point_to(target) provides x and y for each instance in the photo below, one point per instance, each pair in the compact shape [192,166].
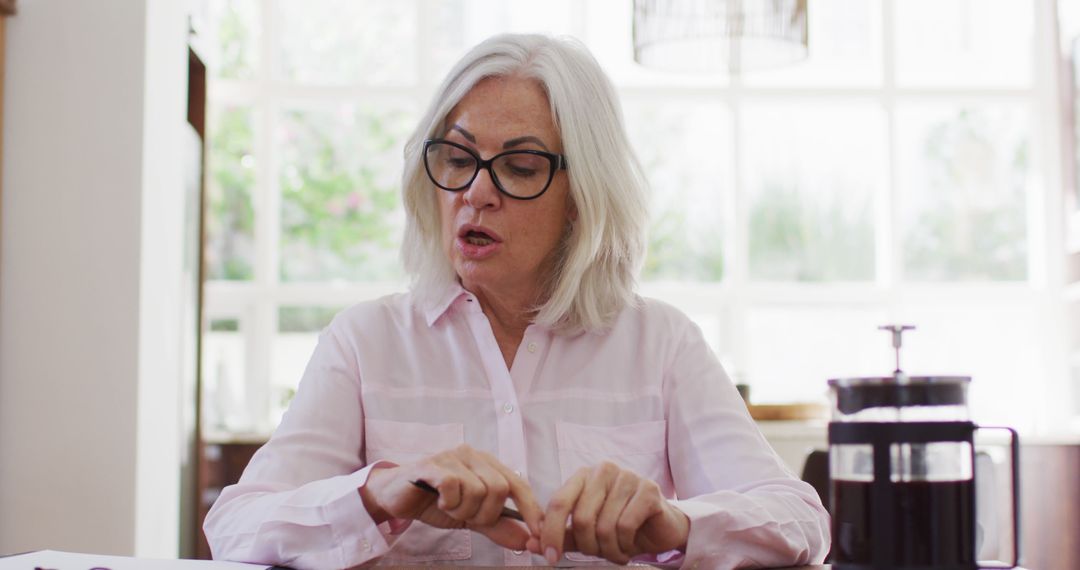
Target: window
[898,175]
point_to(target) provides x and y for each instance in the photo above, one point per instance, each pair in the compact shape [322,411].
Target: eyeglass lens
[519,174]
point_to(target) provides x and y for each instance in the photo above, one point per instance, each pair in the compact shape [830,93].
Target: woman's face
[497,244]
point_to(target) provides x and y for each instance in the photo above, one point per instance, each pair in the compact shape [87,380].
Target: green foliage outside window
[677,255]
[794,239]
[293,319]
[974,226]
[230,221]
[341,207]
[232,52]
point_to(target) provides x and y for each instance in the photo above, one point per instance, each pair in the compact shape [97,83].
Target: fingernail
[551,555]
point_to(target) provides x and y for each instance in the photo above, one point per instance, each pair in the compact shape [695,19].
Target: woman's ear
[571,211]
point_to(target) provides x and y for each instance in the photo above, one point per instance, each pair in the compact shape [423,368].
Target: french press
[902,472]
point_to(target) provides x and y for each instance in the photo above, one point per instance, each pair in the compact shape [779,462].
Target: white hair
[595,270]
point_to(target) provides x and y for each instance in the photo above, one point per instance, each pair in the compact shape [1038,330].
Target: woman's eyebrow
[508,144]
[521,140]
[468,136]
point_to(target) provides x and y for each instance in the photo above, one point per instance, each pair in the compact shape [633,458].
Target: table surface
[811,567]
[6,559]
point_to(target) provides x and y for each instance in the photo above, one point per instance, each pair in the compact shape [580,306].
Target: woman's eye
[459,162]
[522,172]
[524,166]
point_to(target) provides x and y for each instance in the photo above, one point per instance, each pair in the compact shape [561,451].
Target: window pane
[231,38]
[297,335]
[305,319]
[685,149]
[844,46]
[964,42]
[230,215]
[811,176]
[341,216]
[458,25]
[994,343]
[446,21]
[224,388]
[484,18]
[370,42]
[962,174]
[817,344]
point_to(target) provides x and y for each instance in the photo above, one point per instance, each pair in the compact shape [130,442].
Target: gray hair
[598,261]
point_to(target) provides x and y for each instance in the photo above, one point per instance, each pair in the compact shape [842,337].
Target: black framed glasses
[520,174]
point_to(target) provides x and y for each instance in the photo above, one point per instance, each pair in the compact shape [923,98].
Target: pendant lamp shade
[719,35]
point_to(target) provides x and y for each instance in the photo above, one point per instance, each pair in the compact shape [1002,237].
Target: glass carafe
[902,476]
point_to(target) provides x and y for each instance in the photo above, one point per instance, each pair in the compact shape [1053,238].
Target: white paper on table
[55,560]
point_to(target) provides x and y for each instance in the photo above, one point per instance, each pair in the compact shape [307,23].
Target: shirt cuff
[696,511]
[358,537]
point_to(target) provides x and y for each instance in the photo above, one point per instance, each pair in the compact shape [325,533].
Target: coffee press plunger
[902,472]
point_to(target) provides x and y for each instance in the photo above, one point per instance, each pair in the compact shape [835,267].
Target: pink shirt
[393,380]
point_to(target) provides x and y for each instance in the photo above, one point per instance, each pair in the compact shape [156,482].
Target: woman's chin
[474,273]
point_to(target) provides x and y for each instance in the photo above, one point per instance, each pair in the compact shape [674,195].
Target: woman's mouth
[475,242]
[478,238]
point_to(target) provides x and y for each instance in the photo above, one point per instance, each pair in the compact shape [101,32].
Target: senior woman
[520,366]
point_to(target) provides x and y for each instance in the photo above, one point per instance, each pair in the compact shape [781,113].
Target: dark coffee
[933,523]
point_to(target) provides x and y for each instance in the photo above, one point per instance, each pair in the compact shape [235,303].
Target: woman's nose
[482,193]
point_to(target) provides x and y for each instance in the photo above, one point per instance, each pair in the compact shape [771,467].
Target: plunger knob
[897,341]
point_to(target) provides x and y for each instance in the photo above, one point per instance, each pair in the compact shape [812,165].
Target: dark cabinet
[220,465]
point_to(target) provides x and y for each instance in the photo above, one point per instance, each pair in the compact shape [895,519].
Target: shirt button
[519,552]
[508,408]
[532,347]
[366,545]
[518,473]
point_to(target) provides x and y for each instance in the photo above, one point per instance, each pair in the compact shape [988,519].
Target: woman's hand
[473,487]
[616,514]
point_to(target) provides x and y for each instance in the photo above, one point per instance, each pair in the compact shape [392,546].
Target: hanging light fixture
[719,35]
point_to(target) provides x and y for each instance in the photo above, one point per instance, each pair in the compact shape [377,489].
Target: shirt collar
[440,303]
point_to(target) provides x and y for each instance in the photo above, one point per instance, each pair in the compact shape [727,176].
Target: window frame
[256,302]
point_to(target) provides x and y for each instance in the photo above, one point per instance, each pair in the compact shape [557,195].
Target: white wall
[89,277]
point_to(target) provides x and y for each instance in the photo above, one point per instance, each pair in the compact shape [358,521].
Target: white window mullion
[889,250]
[738,248]
[1046,232]
[261,316]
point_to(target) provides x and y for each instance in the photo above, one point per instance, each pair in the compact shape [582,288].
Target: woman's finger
[612,547]
[645,503]
[497,489]
[587,508]
[447,481]
[471,489]
[523,498]
[554,527]
[507,533]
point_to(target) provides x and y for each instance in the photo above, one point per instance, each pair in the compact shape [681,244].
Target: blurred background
[192,189]
[901,173]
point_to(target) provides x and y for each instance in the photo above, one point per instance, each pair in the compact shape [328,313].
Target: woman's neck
[509,314]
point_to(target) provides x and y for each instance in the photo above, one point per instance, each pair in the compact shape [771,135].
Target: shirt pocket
[406,442]
[639,447]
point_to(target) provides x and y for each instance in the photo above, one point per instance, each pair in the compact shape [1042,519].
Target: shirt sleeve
[746,509]
[297,503]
